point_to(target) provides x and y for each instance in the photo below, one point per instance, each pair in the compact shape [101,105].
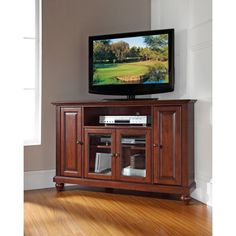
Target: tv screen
[132,63]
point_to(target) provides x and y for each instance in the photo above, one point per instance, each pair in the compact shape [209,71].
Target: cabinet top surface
[124,102]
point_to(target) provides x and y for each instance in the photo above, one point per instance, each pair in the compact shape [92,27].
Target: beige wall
[66,26]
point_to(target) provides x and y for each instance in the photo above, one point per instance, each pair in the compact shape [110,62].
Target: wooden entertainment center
[156,157]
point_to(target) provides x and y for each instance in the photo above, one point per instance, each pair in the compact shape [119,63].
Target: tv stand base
[184,192]
[185,198]
[59,187]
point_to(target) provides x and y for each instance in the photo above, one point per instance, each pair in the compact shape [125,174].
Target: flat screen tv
[132,63]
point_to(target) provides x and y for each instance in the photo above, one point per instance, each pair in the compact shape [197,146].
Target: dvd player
[125,120]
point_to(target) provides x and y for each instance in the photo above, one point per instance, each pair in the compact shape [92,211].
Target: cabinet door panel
[167,145]
[99,153]
[133,155]
[71,142]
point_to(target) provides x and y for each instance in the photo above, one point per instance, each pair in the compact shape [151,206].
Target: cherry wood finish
[59,186]
[185,198]
[169,144]
[116,136]
[87,156]
[71,140]
[180,190]
[133,131]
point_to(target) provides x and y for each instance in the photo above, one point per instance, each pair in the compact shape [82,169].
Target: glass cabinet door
[134,155]
[99,151]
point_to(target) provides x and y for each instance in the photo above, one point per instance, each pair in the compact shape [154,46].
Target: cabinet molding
[167,137]
[71,135]
[168,146]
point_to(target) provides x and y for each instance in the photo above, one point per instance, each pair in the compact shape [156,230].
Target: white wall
[192,20]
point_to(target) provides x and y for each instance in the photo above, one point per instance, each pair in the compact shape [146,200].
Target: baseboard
[39,179]
[203,191]
[44,179]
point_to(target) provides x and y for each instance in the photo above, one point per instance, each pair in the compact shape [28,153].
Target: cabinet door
[71,142]
[167,145]
[133,155]
[99,153]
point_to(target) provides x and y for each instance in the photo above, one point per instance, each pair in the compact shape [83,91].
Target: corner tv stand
[158,157]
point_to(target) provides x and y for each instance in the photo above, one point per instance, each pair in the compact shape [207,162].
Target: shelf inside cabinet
[116,127]
[103,146]
[92,114]
[133,147]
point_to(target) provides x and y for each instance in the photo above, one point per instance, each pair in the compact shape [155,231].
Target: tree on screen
[120,49]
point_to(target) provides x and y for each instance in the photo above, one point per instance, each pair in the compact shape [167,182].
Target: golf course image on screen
[131,60]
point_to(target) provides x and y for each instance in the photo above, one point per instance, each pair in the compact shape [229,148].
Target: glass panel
[100,157]
[133,159]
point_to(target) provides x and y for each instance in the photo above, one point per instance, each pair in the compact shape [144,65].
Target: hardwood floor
[78,211]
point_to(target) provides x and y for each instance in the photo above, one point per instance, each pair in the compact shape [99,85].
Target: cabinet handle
[157,145]
[116,155]
[79,142]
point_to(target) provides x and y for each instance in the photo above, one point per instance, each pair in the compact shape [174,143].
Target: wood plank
[83,212]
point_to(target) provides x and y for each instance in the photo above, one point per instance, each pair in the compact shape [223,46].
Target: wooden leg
[185,198]
[59,187]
